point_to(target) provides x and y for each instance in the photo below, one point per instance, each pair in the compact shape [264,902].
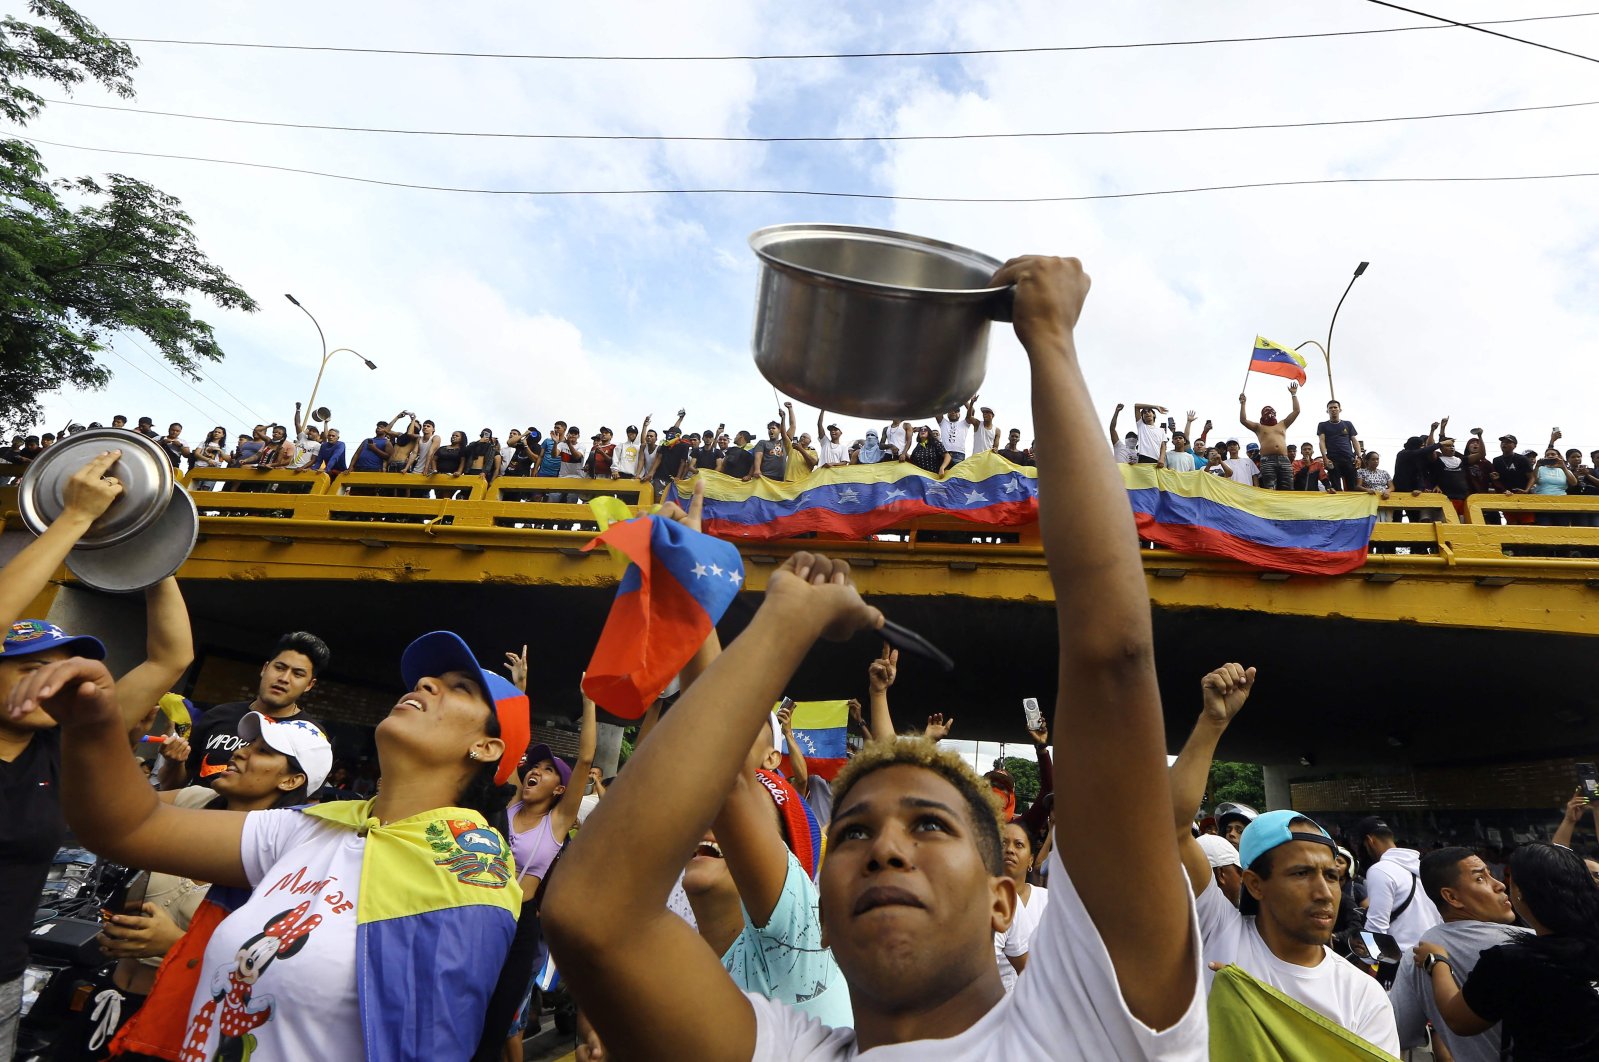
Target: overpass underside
[1456,642]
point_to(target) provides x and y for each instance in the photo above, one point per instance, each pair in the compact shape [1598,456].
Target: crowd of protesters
[1336,460]
[716,900]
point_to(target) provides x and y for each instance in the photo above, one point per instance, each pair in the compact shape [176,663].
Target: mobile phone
[1035,718]
[787,705]
[128,896]
[1588,781]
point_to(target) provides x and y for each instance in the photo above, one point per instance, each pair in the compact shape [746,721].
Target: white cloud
[506,310]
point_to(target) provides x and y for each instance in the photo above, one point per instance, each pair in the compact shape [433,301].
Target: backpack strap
[1414,881]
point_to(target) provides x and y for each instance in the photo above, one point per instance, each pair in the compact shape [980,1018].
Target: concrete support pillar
[608,748]
[1277,793]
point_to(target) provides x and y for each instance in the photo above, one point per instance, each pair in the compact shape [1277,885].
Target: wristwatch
[1434,960]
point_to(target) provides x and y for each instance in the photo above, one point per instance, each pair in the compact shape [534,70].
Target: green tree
[1244,783]
[120,255]
[1025,774]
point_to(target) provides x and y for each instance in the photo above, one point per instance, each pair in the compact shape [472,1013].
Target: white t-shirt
[1333,988]
[1150,438]
[894,438]
[1069,1006]
[983,438]
[281,968]
[830,453]
[1013,943]
[1180,461]
[1244,470]
[1126,453]
[625,458]
[571,460]
[954,434]
[305,451]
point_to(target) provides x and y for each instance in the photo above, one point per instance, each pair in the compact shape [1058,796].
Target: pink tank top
[534,849]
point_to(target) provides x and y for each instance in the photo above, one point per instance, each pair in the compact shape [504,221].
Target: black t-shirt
[1340,437]
[1542,988]
[672,457]
[706,456]
[216,736]
[1407,469]
[1514,471]
[31,830]
[737,461]
[1017,457]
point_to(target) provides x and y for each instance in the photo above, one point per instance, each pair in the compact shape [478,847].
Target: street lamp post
[1326,351]
[310,403]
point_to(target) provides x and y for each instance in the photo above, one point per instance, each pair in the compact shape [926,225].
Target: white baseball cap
[298,737]
[1218,851]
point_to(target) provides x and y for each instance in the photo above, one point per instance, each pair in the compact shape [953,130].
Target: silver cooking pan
[873,323]
[145,535]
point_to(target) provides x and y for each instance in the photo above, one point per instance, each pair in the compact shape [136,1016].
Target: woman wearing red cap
[370,929]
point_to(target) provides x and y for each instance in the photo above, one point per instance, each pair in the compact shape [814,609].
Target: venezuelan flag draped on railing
[860,500]
[1192,512]
[1285,531]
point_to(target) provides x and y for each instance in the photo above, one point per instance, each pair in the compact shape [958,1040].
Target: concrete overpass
[1458,642]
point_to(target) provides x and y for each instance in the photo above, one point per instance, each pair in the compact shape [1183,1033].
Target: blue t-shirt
[374,454]
[549,463]
[1340,437]
[1551,479]
[784,960]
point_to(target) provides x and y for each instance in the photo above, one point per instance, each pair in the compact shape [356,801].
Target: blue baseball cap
[441,652]
[36,636]
[1271,830]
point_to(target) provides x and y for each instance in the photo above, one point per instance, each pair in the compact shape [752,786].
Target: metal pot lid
[143,469]
[143,560]
[769,243]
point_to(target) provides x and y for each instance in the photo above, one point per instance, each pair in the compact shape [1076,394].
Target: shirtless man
[1276,464]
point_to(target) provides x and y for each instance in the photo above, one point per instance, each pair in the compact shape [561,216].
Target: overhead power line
[888,138]
[1479,27]
[921,54]
[813,193]
[136,368]
[164,365]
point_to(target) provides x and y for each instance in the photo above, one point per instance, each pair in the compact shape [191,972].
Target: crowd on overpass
[716,900]
[1263,455]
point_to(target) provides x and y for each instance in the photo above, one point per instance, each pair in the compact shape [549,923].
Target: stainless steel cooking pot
[872,323]
[147,532]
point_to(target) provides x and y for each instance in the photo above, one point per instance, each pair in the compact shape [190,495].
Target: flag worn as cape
[820,728]
[1285,531]
[677,587]
[859,500]
[1274,359]
[1251,1020]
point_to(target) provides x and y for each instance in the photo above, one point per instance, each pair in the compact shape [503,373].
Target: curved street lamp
[310,403]
[1326,351]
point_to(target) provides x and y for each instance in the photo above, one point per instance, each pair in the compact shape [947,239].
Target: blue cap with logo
[36,636]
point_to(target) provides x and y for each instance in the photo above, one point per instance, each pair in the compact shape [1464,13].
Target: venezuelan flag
[1284,531]
[820,729]
[671,596]
[859,500]
[1275,359]
[1251,1019]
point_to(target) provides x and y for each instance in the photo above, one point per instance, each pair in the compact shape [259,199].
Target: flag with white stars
[676,587]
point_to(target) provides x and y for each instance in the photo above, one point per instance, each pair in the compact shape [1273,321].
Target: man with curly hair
[913,887]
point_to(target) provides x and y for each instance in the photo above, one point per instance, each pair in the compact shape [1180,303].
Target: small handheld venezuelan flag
[677,587]
[1275,359]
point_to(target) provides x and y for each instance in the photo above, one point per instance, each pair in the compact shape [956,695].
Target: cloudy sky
[507,310]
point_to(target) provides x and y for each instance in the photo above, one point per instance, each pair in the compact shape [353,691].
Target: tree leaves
[123,256]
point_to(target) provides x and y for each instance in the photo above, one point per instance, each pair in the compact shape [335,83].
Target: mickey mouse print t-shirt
[279,973]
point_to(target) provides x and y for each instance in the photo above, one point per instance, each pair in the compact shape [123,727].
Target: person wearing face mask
[373,929]
[1276,464]
[868,451]
[1477,915]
